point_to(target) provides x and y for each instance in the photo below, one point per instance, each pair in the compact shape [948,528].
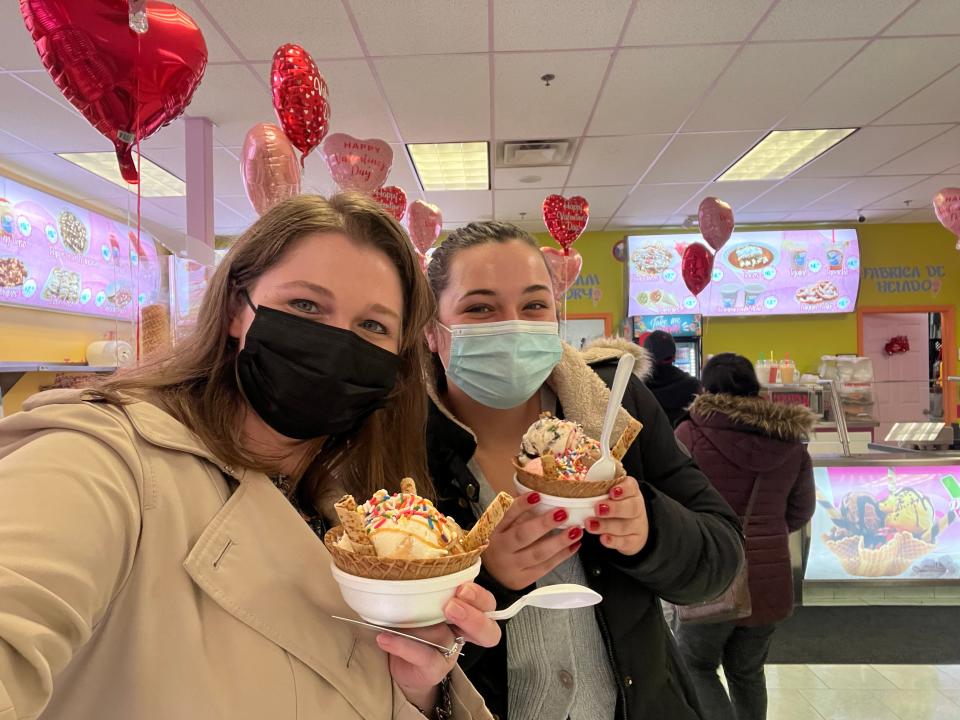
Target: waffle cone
[565,488]
[349,520]
[377,568]
[627,437]
[155,330]
[889,560]
[479,535]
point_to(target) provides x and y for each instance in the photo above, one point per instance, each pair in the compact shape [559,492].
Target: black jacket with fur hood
[693,553]
[739,440]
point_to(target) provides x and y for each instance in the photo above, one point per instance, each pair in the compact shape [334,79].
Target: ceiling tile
[636,221]
[550,24]
[664,22]
[17,51]
[439,98]
[226,174]
[791,195]
[603,200]
[928,17]
[924,215]
[11,145]
[233,98]
[748,218]
[218,49]
[510,203]
[835,216]
[527,109]
[735,194]
[766,81]
[939,102]
[658,200]
[510,178]
[615,160]
[233,212]
[867,148]
[356,106]
[700,157]
[885,73]
[54,172]
[861,193]
[934,156]
[919,195]
[803,19]
[259,27]
[652,90]
[466,205]
[429,26]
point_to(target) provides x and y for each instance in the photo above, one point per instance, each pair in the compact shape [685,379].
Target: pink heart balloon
[393,199]
[716,221]
[360,165]
[424,222]
[946,204]
[696,267]
[564,269]
[565,218]
[269,166]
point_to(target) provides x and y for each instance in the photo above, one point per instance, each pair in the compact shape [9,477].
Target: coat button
[596,572]
[566,679]
[462,502]
[471,491]
[627,681]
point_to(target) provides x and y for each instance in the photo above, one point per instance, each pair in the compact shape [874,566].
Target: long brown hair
[197,383]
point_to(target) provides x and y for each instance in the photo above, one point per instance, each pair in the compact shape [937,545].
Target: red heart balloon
[425,222]
[716,221]
[564,269]
[126,85]
[566,218]
[394,199]
[300,98]
[361,165]
[697,267]
[946,204]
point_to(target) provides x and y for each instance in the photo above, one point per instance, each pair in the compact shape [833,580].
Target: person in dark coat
[664,531]
[672,387]
[739,438]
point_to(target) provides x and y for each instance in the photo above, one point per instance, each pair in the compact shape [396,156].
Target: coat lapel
[261,563]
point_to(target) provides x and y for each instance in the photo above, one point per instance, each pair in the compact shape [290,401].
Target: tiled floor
[863,692]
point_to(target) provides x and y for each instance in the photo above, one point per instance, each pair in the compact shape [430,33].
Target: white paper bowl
[401,603]
[578,509]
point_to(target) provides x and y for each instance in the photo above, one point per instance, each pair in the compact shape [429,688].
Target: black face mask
[307,380]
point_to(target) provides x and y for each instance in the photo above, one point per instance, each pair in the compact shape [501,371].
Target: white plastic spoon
[606,467]
[552,597]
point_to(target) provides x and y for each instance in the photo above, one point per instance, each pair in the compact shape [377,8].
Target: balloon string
[136,303]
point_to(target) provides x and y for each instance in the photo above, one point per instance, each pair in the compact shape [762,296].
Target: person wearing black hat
[673,388]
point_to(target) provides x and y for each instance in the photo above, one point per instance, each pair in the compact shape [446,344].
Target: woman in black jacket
[664,532]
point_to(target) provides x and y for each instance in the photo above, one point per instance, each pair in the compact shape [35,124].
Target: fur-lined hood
[611,348]
[790,423]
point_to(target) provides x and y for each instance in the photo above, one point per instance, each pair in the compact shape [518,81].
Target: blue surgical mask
[502,364]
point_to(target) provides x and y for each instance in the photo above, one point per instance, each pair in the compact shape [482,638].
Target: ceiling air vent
[534,153]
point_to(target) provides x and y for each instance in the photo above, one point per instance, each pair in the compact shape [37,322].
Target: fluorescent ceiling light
[782,152]
[154,180]
[451,166]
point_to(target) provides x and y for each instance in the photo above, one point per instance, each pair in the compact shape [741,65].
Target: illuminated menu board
[785,272]
[57,256]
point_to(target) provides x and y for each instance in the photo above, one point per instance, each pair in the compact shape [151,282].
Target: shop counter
[11,372]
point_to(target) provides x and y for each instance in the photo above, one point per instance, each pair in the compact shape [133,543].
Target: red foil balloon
[394,199]
[566,218]
[564,269]
[300,98]
[425,222]
[946,204]
[716,222]
[269,166]
[697,267]
[355,164]
[127,85]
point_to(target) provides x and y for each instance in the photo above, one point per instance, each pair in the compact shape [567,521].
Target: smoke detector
[535,153]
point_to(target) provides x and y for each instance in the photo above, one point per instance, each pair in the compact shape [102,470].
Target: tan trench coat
[134,585]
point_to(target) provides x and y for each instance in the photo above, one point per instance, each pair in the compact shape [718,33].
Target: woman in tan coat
[158,553]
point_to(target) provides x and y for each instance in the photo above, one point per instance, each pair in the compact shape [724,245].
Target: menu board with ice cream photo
[58,256]
[886,522]
[784,272]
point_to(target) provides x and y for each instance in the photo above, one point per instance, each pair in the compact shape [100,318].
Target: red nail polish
[533,498]
[575,533]
[593,525]
[603,509]
[560,515]
[617,492]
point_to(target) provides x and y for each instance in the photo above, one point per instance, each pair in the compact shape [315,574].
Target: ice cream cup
[579,510]
[751,294]
[729,295]
[401,603]
[835,259]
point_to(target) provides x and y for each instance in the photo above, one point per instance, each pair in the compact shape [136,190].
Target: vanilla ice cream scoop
[552,435]
[406,526]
